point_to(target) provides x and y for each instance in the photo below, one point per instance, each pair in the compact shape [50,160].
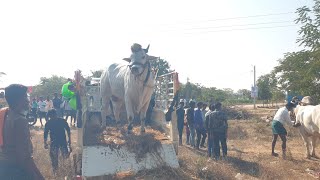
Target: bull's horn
[127,59]
[147,49]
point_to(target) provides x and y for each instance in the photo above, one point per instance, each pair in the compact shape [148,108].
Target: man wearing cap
[16,161]
[282,117]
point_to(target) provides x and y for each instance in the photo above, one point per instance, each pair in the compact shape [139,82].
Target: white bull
[129,84]
[309,118]
[306,100]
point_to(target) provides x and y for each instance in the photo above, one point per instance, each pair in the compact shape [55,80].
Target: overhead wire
[226,25]
[229,18]
[252,16]
[252,24]
[228,28]
[240,29]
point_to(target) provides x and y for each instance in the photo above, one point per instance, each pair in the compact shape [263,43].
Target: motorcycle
[32,118]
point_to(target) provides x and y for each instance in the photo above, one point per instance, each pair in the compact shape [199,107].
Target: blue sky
[41,38]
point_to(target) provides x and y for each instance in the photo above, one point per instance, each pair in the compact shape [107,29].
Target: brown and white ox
[129,84]
[309,117]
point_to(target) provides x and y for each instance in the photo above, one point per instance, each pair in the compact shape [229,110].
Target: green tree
[309,18]
[205,94]
[299,72]
[190,90]
[208,94]
[161,65]
[264,84]
[244,93]
[278,95]
[220,95]
[48,86]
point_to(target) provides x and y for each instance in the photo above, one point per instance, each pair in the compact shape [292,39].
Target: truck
[94,160]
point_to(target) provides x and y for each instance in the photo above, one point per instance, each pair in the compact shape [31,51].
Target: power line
[231,18]
[253,16]
[234,25]
[241,29]
[227,30]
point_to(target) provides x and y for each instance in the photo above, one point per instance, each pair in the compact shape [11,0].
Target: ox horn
[147,49]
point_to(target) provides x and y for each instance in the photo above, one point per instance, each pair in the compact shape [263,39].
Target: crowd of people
[212,125]
[16,161]
[40,108]
[200,124]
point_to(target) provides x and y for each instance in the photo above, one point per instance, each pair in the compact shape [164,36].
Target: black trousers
[201,136]
[54,154]
[180,131]
[34,112]
[42,115]
[219,137]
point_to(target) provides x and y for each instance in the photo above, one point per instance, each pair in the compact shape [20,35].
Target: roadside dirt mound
[237,113]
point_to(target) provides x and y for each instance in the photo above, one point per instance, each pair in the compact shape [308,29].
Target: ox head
[139,59]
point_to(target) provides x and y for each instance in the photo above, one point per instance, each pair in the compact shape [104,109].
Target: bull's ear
[127,59]
[152,58]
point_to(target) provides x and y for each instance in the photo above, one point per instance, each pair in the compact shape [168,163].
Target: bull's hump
[117,66]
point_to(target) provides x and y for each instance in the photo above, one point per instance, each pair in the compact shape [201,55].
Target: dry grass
[198,167]
[237,113]
[237,132]
[249,148]
[42,158]
[262,128]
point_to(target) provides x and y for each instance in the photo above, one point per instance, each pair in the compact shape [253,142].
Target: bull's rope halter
[147,64]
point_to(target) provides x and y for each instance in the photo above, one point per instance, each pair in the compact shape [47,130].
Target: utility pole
[254,87]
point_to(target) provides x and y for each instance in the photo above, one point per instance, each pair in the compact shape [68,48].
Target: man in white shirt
[42,110]
[204,112]
[49,104]
[282,117]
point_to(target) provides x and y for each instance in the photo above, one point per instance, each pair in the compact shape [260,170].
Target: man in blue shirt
[199,126]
